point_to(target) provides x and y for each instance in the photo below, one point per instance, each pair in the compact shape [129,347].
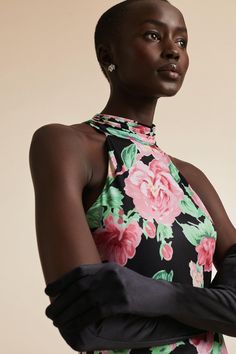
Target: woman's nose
[170,52]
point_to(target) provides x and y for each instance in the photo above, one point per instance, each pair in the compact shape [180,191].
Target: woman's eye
[182,43]
[153,36]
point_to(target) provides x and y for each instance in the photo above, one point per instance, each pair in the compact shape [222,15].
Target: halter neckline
[125,128]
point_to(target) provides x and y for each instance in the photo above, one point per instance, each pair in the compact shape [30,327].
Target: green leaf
[192,233]
[206,228]
[114,198]
[124,134]
[128,155]
[174,172]
[188,207]
[163,275]
[188,190]
[94,216]
[216,349]
[164,232]
[165,349]
[195,233]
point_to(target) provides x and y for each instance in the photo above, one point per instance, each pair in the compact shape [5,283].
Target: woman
[126,233]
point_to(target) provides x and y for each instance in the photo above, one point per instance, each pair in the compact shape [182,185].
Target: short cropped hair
[107,28]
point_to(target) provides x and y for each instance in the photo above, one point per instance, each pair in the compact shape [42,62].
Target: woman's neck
[141,109]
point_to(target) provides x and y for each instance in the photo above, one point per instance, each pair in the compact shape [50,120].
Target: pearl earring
[111,68]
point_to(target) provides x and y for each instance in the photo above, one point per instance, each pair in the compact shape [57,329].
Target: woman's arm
[60,170]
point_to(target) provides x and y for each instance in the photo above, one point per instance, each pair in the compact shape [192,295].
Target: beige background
[49,74]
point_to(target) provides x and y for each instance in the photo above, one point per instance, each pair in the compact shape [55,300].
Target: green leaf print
[190,193]
[216,349]
[94,216]
[174,172]
[128,155]
[163,275]
[164,232]
[166,349]
[188,190]
[192,233]
[113,198]
[207,228]
[123,134]
[131,216]
[195,233]
[188,207]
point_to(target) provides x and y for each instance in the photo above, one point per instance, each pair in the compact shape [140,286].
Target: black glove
[121,331]
[114,290]
[100,291]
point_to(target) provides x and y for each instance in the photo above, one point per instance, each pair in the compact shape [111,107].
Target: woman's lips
[169,71]
[168,74]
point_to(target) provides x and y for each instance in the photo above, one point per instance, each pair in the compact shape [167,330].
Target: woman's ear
[105,56]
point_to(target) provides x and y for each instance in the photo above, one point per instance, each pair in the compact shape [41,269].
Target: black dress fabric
[149,219]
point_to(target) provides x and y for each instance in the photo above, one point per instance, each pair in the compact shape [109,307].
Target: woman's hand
[103,290]
[114,290]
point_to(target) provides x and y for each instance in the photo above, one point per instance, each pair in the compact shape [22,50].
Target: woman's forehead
[140,12]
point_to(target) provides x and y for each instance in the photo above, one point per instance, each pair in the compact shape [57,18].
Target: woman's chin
[169,91]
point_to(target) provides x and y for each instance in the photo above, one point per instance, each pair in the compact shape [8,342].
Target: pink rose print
[141,130]
[196,274]
[166,251]
[155,194]
[159,155]
[198,201]
[205,252]
[116,243]
[203,343]
[150,229]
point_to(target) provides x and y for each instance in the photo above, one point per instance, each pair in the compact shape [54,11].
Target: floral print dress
[149,219]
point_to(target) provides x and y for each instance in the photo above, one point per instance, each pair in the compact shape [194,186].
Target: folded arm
[89,297]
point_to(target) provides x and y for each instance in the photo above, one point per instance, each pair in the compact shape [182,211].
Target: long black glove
[114,290]
[121,331]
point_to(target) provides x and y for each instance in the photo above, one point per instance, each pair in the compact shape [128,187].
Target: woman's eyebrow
[159,23]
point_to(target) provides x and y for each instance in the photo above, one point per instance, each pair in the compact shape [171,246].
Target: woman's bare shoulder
[57,149]
[57,133]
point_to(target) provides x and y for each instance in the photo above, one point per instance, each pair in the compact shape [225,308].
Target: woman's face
[151,55]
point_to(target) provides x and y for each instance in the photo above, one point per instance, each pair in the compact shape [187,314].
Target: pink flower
[166,251]
[196,274]
[205,252]
[150,229]
[140,129]
[117,243]
[199,202]
[143,133]
[158,154]
[154,191]
[203,343]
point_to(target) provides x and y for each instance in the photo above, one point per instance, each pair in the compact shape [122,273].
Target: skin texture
[69,163]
